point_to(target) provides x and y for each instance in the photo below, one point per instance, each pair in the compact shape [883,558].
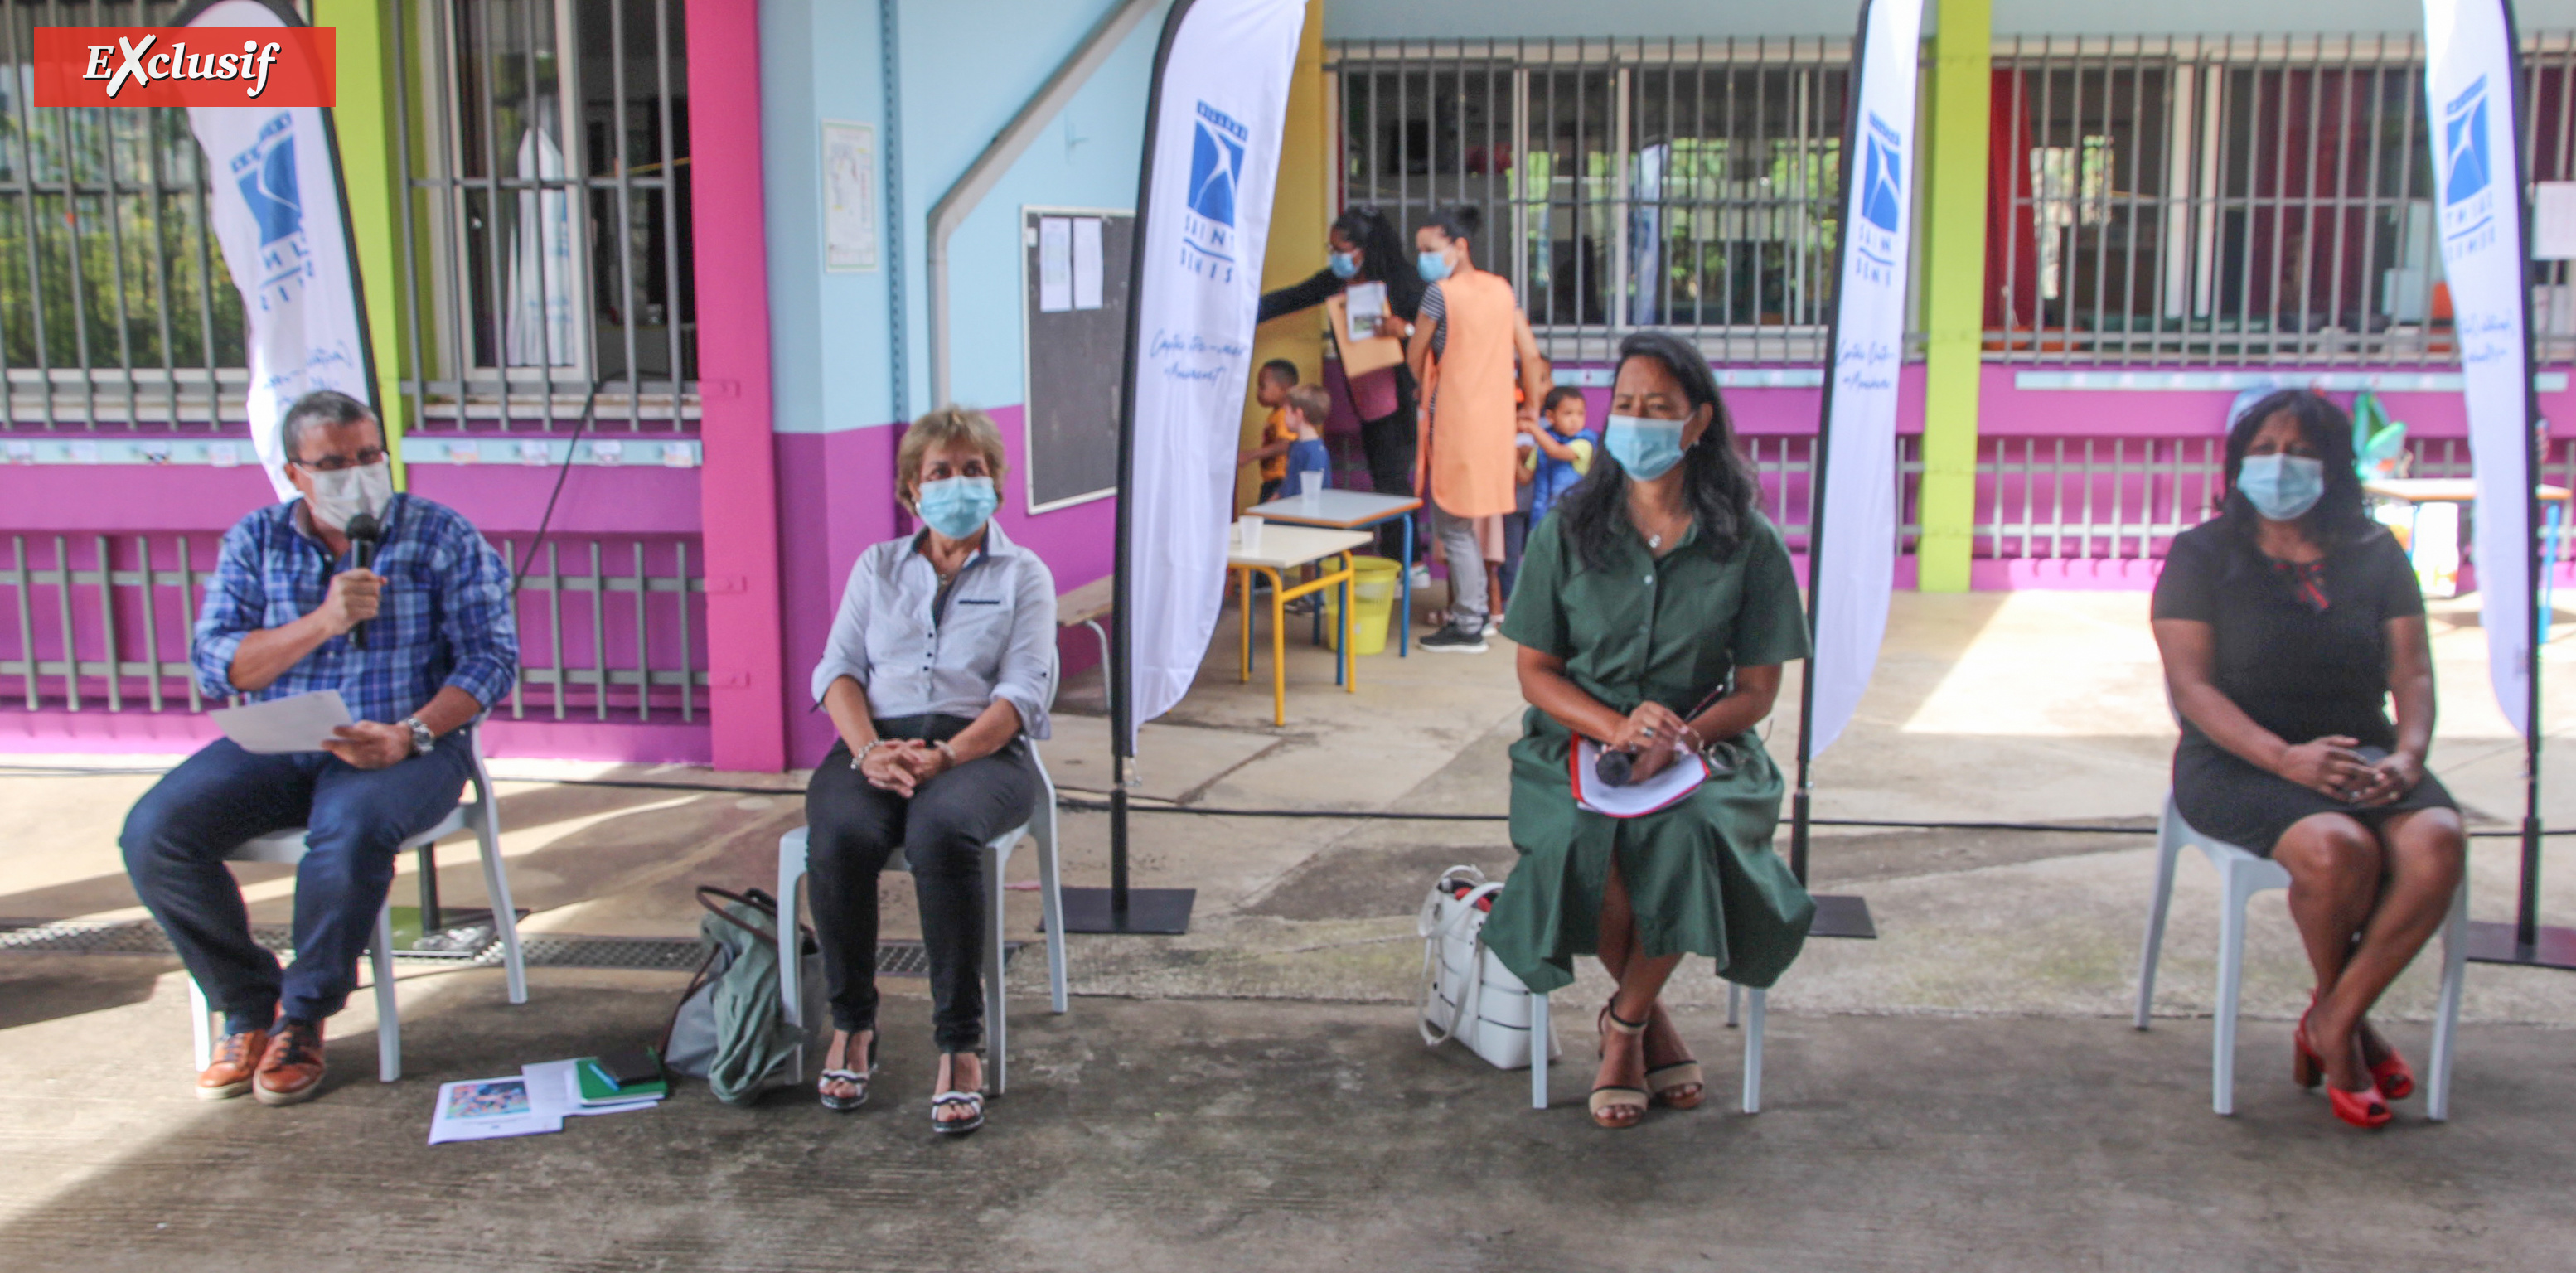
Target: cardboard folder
[1360,357]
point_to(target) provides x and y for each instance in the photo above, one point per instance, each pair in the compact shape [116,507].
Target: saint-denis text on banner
[1853,553]
[2469,92]
[1220,101]
[277,210]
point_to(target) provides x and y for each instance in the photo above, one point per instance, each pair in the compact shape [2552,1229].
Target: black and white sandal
[855,1078]
[974,1103]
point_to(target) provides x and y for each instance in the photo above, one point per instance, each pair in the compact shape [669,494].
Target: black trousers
[854,829]
[1388,443]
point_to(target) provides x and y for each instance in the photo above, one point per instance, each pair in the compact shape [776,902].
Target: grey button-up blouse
[996,642]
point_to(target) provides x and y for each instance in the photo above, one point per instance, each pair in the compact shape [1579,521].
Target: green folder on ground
[599,1089]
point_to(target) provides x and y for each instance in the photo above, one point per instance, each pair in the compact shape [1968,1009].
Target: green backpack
[730,1028]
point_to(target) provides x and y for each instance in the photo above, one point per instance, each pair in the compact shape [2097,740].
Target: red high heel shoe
[2394,1078]
[2363,1109]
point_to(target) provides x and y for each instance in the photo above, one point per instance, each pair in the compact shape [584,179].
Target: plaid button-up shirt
[444,620]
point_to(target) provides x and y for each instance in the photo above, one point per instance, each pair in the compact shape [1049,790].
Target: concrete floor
[1963,1092]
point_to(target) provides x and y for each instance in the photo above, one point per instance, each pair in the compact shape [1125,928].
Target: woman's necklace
[1673,526]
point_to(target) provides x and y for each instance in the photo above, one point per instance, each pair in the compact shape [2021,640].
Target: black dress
[2302,650]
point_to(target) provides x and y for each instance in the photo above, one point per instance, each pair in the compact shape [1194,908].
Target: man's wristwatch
[422,741]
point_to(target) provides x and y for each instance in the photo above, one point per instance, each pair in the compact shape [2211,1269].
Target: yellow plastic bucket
[1373,590]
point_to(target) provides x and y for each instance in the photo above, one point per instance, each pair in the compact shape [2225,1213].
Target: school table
[1278,550]
[1356,510]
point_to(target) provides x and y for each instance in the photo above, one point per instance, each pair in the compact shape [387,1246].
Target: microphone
[363,531]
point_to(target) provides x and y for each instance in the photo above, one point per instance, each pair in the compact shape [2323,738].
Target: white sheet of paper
[849,197]
[1367,302]
[298,722]
[2553,221]
[488,1109]
[1669,784]
[1055,264]
[1086,263]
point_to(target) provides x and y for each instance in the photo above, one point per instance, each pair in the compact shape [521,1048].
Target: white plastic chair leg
[203,1014]
[1753,1025]
[1051,903]
[388,1020]
[791,884]
[2168,847]
[996,1008]
[505,916]
[2231,979]
[1539,1020]
[2446,1010]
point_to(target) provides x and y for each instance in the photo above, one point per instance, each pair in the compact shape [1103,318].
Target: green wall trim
[363,119]
[1954,286]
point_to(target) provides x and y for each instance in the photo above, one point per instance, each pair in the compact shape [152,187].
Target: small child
[1310,465]
[1270,388]
[1560,453]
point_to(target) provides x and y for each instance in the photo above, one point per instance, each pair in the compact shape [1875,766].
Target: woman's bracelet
[949,752]
[860,756]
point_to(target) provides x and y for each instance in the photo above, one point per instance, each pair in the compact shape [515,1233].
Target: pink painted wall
[739,495]
[839,489]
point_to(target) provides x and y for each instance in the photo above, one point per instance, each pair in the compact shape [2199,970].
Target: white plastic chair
[2241,875]
[997,855]
[482,816]
[1752,1049]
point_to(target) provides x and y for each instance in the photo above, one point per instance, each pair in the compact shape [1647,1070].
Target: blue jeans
[176,837]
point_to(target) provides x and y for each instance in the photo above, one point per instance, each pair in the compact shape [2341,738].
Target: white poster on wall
[1212,162]
[2469,93]
[849,197]
[274,200]
[1853,566]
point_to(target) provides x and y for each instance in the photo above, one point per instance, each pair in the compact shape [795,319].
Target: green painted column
[363,120]
[1954,307]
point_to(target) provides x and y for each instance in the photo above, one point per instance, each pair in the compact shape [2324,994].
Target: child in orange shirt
[1270,388]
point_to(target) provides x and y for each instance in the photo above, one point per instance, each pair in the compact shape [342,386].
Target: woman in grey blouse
[940,669]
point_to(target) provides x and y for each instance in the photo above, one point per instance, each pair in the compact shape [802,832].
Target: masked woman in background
[1364,249]
[2287,622]
[1654,612]
[940,669]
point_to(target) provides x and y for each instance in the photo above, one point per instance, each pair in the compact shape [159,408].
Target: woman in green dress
[1655,609]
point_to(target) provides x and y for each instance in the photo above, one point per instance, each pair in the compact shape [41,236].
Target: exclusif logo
[184,66]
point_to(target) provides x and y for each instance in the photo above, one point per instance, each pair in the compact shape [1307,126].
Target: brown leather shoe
[292,1070]
[236,1060]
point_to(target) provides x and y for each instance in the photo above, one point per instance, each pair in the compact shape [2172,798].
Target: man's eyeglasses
[335,463]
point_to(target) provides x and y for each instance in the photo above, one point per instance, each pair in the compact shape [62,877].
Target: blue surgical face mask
[1345,265]
[957,506]
[1648,448]
[1433,266]
[2282,487]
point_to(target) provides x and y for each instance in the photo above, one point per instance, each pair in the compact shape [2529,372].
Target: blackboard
[1076,362]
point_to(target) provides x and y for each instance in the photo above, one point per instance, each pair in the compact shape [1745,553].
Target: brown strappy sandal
[1613,1097]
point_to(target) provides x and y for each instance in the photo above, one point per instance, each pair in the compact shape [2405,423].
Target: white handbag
[1467,993]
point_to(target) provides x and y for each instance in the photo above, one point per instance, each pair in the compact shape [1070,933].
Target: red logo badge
[184,66]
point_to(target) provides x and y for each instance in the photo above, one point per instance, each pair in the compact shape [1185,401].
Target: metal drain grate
[563,950]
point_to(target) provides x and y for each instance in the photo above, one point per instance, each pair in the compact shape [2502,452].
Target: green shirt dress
[1701,875]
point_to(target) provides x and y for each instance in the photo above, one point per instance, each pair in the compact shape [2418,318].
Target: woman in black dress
[1365,249]
[2286,623]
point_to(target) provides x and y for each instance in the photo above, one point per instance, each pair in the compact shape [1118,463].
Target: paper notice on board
[1086,263]
[2553,221]
[1055,264]
[849,197]
[1367,302]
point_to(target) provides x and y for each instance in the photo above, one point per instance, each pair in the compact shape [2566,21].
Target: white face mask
[341,494]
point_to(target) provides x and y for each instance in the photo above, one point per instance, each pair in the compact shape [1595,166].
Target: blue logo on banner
[1216,164]
[2468,178]
[1883,175]
[1217,144]
[269,189]
[2464,133]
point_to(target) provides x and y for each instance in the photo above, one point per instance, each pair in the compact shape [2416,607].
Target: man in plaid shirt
[418,645]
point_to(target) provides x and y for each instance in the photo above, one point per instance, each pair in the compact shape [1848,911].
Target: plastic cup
[1247,533]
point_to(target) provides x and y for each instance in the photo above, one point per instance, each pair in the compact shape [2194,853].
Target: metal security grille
[116,310]
[1688,184]
[608,627]
[2229,201]
[545,148]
